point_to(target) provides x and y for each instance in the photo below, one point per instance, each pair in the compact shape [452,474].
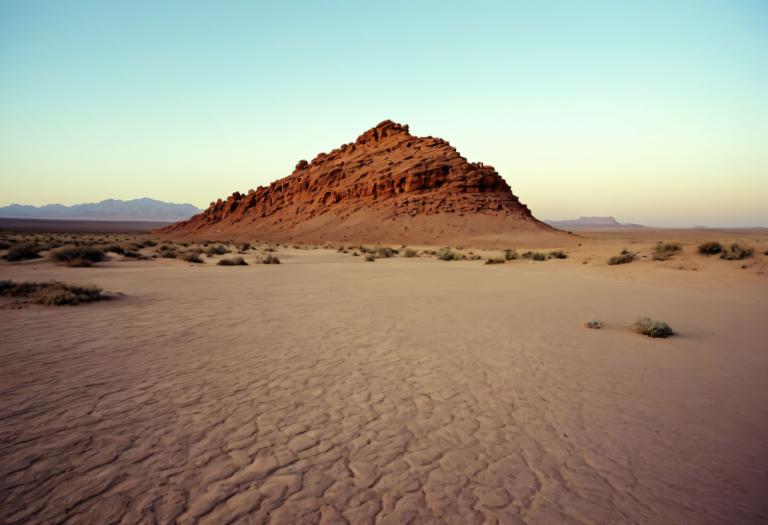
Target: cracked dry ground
[331,391]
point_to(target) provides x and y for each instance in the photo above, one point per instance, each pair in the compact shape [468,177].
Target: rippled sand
[332,390]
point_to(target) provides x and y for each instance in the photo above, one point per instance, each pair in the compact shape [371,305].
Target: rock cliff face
[387,186]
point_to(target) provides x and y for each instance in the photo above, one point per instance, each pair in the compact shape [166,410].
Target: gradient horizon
[654,113]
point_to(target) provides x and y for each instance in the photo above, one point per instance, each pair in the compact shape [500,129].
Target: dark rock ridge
[387,174]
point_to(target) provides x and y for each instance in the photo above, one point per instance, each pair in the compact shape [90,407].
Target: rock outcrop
[387,186]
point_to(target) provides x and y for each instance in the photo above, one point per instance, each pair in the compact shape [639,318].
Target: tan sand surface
[331,390]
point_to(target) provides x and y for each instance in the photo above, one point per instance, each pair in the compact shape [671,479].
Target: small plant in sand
[52,293]
[594,324]
[737,252]
[385,252]
[449,254]
[495,260]
[652,328]
[510,254]
[663,251]
[78,256]
[167,252]
[271,259]
[535,256]
[217,250]
[192,257]
[410,252]
[115,248]
[624,257]
[558,254]
[369,257]
[233,261]
[22,252]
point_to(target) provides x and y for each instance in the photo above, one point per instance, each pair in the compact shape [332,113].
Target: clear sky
[654,112]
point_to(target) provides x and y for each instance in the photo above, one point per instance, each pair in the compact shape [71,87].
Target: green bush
[652,328]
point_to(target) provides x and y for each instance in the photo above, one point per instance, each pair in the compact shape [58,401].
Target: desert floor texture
[409,390]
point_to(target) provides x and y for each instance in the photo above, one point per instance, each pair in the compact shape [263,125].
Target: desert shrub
[652,328]
[216,250]
[385,252]
[536,256]
[131,254]
[369,257]
[624,257]
[558,254]
[115,248]
[166,252]
[233,261]
[510,254]
[496,260]
[409,252]
[192,257]
[78,255]
[736,252]
[148,243]
[4,245]
[244,247]
[448,254]
[271,259]
[595,324]
[663,251]
[58,294]
[52,293]
[269,249]
[23,251]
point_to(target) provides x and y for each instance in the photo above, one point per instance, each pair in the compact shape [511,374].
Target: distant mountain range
[108,210]
[592,222]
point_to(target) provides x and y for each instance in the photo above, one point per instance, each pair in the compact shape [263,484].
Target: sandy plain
[332,390]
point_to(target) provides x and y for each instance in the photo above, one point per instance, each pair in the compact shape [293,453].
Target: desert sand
[410,390]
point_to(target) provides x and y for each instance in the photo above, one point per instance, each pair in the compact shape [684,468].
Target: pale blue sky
[655,112]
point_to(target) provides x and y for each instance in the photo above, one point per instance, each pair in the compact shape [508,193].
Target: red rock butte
[387,186]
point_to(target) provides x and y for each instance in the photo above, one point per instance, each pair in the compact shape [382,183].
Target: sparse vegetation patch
[23,251]
[652,328]
[52,293]
[736,252]
[624,257]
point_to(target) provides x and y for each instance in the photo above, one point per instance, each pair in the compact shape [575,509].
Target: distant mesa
[388,186]
[591,223]
[107,210]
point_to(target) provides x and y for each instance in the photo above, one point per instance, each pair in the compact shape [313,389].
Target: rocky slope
[387,186]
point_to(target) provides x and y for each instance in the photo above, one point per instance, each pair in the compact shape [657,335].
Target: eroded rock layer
[388,185]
